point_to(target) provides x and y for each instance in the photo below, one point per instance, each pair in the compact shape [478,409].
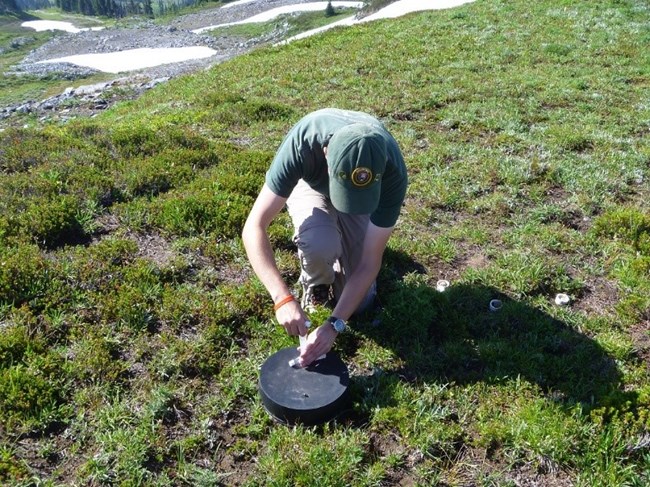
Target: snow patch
[133,59]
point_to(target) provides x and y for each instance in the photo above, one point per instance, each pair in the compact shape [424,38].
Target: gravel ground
[88,100]
[148,34]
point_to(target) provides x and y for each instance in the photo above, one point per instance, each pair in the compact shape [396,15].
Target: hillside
[132,328]
[33,91]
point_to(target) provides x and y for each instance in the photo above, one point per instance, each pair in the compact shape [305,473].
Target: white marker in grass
[562,299]
[442,285]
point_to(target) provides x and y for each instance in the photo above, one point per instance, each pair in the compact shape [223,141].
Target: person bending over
[342,177]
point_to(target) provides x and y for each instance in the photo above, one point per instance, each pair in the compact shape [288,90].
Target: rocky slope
[90,99]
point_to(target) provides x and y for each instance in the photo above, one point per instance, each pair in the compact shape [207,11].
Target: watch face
[339,325]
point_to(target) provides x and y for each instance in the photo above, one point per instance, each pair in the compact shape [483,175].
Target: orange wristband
[283,301]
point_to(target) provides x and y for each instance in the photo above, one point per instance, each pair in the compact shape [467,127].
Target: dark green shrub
[176,269]
[95,268]
[131,300]
[135,140]
[236,110]
[147,139]
[633,308]
[90,183]
[233,304]
[264,111]
[169,169]
[559,50]
[53,223]
[130,308]
[95,358]
[631,225]
[5,228]
[15,342]
[209,352]
[28,399]
[220,99]
[24,274]
[55,203]
[26,150]
[243,174]
[570,138]
[184,138]
[215,203]
[150,177]
[85,129]
[201,212]
[180,307]
[11,468]
[634,277]
[22,150]
[20,190]
[112,252]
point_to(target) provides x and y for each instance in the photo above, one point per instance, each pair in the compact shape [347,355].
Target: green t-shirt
[301,156]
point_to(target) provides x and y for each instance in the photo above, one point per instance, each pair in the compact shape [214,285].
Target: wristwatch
[338,324]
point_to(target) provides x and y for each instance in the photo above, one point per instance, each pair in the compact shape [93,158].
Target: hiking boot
[315,296]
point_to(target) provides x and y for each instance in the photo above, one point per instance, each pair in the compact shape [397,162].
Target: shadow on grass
[453,336]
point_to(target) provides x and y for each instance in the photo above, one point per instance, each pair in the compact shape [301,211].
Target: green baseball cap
[356,160]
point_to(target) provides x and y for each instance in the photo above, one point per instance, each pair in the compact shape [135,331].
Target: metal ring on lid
[496,305]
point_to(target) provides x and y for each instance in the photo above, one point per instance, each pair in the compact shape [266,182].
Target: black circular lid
[309,395]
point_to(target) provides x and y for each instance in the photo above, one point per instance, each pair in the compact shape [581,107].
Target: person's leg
[318,239]
[353,231]
[329,244]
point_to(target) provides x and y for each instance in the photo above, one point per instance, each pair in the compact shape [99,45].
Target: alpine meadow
[132,327]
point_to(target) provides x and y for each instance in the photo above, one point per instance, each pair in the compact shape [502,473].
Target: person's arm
[321,339]
[260,254]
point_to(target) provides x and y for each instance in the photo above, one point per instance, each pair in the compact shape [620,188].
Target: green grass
[132,328]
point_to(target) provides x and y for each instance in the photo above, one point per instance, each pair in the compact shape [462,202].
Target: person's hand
[293,318]
[319,342]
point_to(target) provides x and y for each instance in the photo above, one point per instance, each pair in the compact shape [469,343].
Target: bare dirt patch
[640,334]
[598,296]
[154,248]
[474,465]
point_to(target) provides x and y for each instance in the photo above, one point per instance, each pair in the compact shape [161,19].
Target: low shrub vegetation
[132,329]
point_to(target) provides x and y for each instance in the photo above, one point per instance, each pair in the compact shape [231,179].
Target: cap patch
[361,176]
